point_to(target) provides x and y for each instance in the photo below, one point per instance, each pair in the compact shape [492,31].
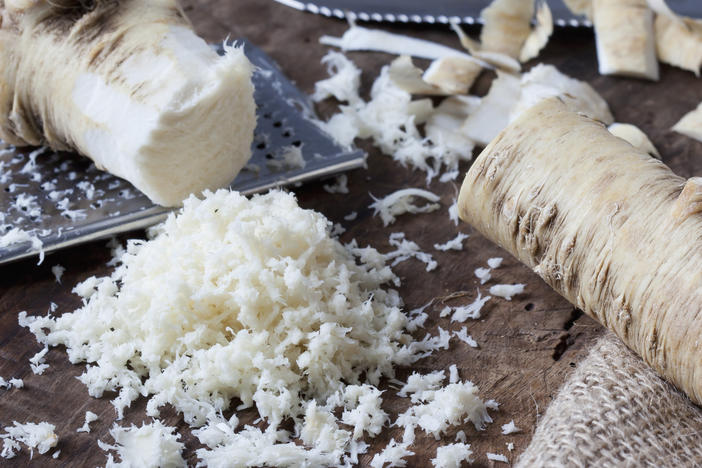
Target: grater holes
[297,143]
[261,145]
[277,124]
[269,156]
[96,204]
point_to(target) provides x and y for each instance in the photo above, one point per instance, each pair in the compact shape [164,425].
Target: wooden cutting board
[528,346]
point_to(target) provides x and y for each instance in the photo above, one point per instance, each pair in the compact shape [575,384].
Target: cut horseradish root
[625,38]
[642,224]
[139,93]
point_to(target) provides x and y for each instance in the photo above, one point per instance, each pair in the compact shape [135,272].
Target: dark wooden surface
[528,346]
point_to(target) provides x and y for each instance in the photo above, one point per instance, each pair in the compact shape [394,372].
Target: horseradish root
[606,225]
[129,85]
[625,39]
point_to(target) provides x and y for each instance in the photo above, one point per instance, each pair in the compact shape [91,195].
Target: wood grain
[527,346]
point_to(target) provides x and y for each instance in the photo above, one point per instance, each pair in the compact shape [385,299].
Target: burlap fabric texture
[615,411]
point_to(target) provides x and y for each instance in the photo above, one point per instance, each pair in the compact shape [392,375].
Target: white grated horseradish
[454,244]
[58,271]
[18,236]
[390,118]
[418,385]
[470,311]
[89,417]
[401,202]
[453,211]
[463,335]
[453,374]
[452,455]
[12,383]
[494,262]
[497,457]
[510,428]
[406,249]
[507,291]
[451,405]
[340,185]
[36,362]
[344,80]
[289,157]
[39,436]
[257,287]
[483,274]
[393,455]
[149,446]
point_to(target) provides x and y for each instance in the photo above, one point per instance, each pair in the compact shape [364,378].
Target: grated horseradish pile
[253,300]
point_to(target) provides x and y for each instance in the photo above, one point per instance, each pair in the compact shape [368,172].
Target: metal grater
[64,200]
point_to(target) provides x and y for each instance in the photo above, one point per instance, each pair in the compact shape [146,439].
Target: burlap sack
[615,411]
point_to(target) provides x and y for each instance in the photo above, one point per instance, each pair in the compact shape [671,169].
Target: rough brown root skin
[596,219]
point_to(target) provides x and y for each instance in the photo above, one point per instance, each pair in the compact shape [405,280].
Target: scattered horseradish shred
[454,244]
[451,405]
[463,335]
[58,271]
[452,455]
[418,384]
[149,446]
[18,236]
[470,311]
[36,362]
[497,457]
[494,262]
[344,80]
[340,185]
[12,383]
[394,454]
[38,436]
[89,417]
[483,274]
[453,373]
[453,211]
[507,291]
[406,249]
[510,428]
[400,202]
